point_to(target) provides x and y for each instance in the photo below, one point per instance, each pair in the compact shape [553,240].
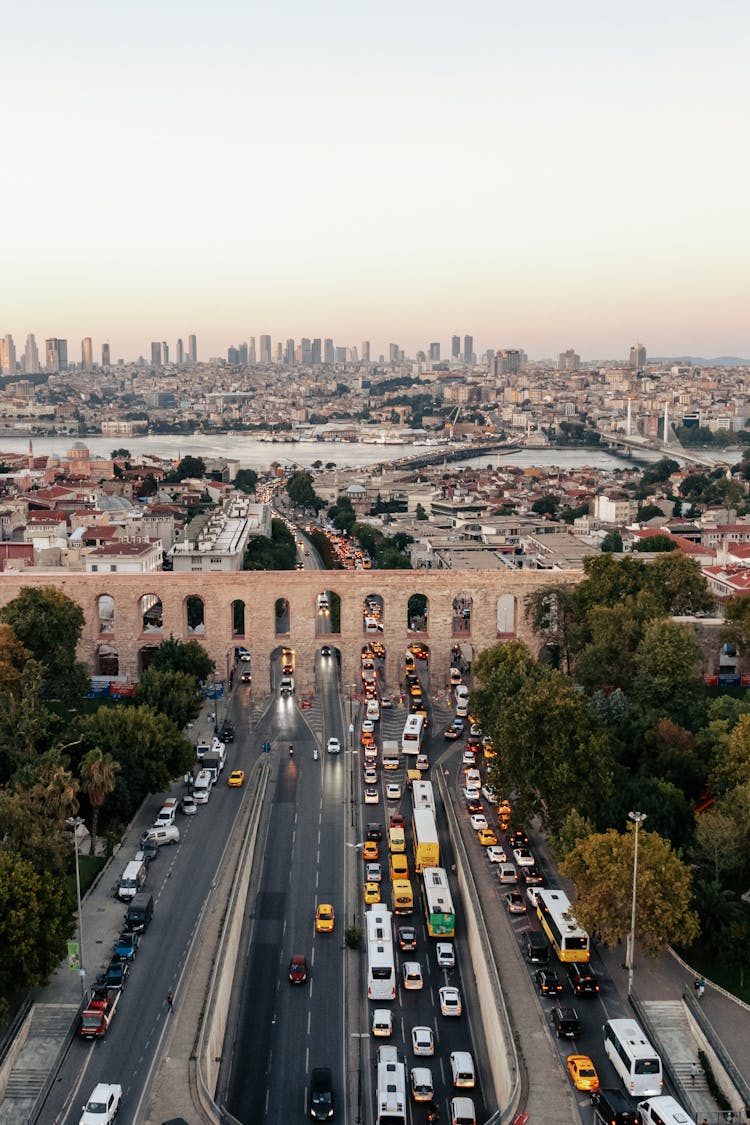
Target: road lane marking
[309,1019]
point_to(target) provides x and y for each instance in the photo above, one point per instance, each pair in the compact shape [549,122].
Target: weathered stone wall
[259,591]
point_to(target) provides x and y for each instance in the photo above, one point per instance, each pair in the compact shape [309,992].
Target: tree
[13,657]
[123,454]
[545,506]
[420,513]
[193,468]
[608,660]
[553,613]
[672,754]
[648,512]
[182,656]
[27,727]
[612,543]
[732,768]
[718,844]
[342,514]
[677,584]
[148,486]
[669,813]
[601,866]
[719,911]
[737,622]
[98,779]
[277,553]
[175,694]
[300,490]
[666,681]
[49,624]
[34,923]
[654,544]
[246,480]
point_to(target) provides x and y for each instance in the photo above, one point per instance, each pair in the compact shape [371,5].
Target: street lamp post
[637,818]
[77,822]
[351,716]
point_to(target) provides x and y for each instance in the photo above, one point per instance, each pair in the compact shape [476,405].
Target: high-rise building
[365,351]
[568,361]
[180,352]
[165,352]
[87,353]
[243,354]
[393,353]
[435,353]
[265,349]
[106,360]
[306,351]
[455,347]
[316,352]
[508,361]
[156,353]
[340,355]
[31,355]
[8,356]
[638,356]
[279,353]
[192,349]
[56,354]
[289,353]
[233,356]
[468,349]
[328,352]
[251,354]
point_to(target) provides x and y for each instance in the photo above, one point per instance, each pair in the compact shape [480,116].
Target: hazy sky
[538,175]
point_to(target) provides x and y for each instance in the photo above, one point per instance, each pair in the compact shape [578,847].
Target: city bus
[411,739]
[390,1107]
[381,966]
[426,846]
[633,1057]
[423,796]
[403,896]
[569,941]
[438,904]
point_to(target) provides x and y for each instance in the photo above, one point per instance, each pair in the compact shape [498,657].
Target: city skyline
[541,179]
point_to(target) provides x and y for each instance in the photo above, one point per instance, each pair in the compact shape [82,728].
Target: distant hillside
[701,361]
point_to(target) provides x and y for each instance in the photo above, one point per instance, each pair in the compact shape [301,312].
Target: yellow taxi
[372,893]
[236,779]
[486,837]
[370,850]
[324,918]
[582,1072]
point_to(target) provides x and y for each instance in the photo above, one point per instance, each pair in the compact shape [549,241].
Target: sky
[541,175]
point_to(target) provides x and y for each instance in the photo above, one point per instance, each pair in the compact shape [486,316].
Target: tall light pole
[637,818]
[77,822]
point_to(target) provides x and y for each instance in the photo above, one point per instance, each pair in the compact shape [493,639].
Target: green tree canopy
[666,682]
[654,544]
[35,921]
[49,625]
[98,779]
[601,866]
[612,543]
[192,468]
[300,490]
[246,480]
[175,694]
[182,656]
[13,658]
[277,553]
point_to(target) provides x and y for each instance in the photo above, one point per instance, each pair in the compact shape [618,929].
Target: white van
[168,834]
[371,624]
[131,880]
[462,694]
[202,787]
[382,1023]
[664,1110]
[287,685]
[323,602]
[462,1112]
[372,710]
[462,1069]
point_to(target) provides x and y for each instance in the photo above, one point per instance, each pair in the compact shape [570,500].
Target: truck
[391,751]
[214,764]
[96,1017]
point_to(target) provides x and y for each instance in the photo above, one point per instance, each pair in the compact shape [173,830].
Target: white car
[446,957]
[468,758]
[476,730]
[412,975]
[102,1106]
[478,821]
[373,873]
[188,805]
[450,1001]
[393,791]
[372,796]
[496,854]
[422,1041]
[422,1089]
[471,793]
[382,1023]
[368,726]
[531,894]
[422,762]
[371,775]
[473,779]
[523,857]
[333,746]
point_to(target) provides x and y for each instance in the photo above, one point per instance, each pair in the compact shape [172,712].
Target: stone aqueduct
[496,613]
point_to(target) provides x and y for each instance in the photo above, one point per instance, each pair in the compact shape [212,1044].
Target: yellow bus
[426,846]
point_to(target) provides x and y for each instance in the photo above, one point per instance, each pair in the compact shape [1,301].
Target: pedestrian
[701,988]
[697,987]
[694,1071]
[170,1002]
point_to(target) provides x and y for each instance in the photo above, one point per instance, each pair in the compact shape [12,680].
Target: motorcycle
[291,750]
[315,754]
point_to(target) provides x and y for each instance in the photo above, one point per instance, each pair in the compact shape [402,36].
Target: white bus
[381,967]
[422,796]
[411,739]
[438,904]
[633,1057]
[570,942]
[390,1106]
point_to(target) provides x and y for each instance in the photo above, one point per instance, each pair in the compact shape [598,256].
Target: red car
[298,969]
[397,820]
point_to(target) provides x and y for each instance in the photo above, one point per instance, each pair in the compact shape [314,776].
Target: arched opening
[145,656]
[105,606]
[107,661]
[152,614]
[417,613]
[238,618]
[506,615]
[462,656]
[549,655]
[195,614]
[373,615]
[461,621]
[327,666]
[282,617]
[327,613]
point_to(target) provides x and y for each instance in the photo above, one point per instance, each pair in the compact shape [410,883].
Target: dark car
[326,650]
[407,939]
[518,838]
[547,982]
[535,948]
[117,972]
[246,678]
[451,732]
[150,850]
[614,1108]
[226,734]
[126,945]
[566,1023]
[474,807]
[321,1094]
[531,877]
[298,969]
[582,979]
[374,831]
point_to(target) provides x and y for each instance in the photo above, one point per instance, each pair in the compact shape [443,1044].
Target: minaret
[666,423]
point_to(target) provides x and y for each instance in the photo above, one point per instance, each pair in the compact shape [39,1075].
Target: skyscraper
[435,353]
[180,353]
[156,353]
[455,347]
[251,357]
[365,351]
[316,352]
[468,349]
[9,356]
[289,352]
[569,360]
[279,353]
[31,354]
[192,349]
[328,352]
[393,353]
[165,351]
[56,354]
[638,356]
[306,348]
[265,349]
[106,361]
[87,353]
